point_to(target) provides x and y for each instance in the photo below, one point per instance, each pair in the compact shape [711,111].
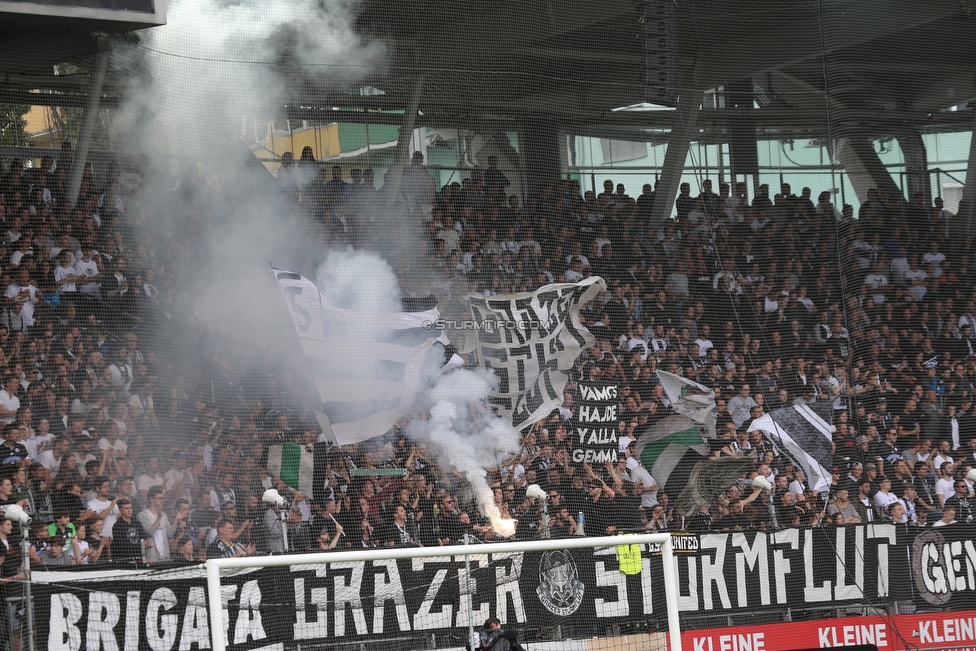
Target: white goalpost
[214,567]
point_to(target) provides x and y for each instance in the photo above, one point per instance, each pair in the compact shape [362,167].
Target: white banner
[367,368]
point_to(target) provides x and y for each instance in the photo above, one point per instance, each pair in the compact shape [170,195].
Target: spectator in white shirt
[152,477]
[945,486]
[105,506]
[948,516]
[884,497]
[9,402]
[51,459]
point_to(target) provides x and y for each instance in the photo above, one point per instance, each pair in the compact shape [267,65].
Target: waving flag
[669,450]
[803,432]
[294,465]
[673,448]
[709,479]
[530,342]
[367,367]
[690,399]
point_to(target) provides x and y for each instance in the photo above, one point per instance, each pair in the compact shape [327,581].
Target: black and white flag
[367,367]
[530,342]
[804,434]
[596,439]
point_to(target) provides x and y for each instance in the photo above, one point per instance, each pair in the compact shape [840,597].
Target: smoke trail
[364,287]
[200,85]
[200,89]
[217,67]
[461,428]
[467,435]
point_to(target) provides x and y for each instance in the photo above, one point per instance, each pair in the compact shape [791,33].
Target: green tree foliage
[106,135]
[13,131]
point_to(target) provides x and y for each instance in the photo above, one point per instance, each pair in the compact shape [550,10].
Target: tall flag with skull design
[805,433]
[530,342]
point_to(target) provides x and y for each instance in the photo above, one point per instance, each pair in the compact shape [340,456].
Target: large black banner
[729,572]
[596,439]
[944,567]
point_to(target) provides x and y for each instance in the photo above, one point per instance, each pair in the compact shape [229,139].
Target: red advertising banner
[896,633]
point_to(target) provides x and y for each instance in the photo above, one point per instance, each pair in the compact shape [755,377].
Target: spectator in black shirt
[887,452]
[759,443]
[700,522]
[563,524]
[645,203]
[627,504]
[12,451]
[203,518]
[734,519]
[965,506]
[128,538]
[398,530]
[69,500]
[576,494]
[599,509]
[449,524]
[494,177]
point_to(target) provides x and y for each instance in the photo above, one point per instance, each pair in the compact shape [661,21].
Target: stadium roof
[885,64]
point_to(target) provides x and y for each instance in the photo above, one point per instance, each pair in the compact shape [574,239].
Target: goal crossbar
[215,565]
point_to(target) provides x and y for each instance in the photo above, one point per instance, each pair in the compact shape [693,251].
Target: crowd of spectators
[127,448]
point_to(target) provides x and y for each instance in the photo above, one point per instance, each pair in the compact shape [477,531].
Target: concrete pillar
[967,207]
[88,123]
[916,165]
[402,151]
[685,121]
[863,165]
[743,150]
[541,152]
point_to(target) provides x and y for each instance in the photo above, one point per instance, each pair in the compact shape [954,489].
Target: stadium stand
[116,442]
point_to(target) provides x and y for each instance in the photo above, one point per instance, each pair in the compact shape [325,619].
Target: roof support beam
[796,37]
[88,123]
[689,108]
[967,207]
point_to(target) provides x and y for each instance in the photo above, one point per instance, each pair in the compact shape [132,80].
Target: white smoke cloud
[216,69]
[361,281]
[201,89]
[363,286]
[204,86]
[467,435]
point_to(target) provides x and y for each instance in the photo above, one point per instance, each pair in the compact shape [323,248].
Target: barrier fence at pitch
[583,592]
[895,633]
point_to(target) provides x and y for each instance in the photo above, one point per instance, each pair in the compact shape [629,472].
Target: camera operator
[297,531]
[493,638]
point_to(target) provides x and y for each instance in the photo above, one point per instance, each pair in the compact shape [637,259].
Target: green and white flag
[690,399]
[669,450]
[662,451]
[293,464]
